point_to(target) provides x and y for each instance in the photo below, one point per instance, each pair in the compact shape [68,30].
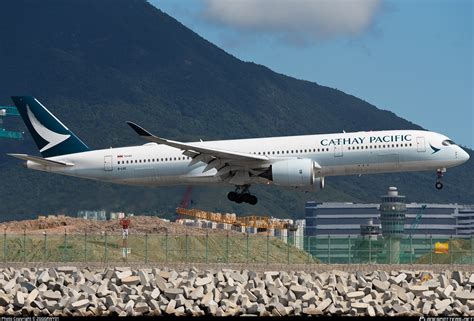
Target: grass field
[150,248]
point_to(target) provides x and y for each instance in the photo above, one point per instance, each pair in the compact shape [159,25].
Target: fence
[228,248]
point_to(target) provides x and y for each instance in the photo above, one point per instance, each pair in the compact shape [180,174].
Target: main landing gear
[242,194]
[439,174]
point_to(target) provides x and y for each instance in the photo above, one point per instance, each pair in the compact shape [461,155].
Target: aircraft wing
[40,160]
[222,160]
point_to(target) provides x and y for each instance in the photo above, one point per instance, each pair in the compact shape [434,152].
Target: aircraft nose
[464,156]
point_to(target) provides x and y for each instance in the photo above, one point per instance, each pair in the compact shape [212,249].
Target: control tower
[392,217]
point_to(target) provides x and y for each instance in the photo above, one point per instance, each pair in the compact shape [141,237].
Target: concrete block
[355,295]
[399,308]
[155,293]
[130,280]
[170,308]
[371,311]
[464,296]
[400,277]
[19,299]
[443,281]
[324,304]
[171,293]
[417,289]
[122,274]
[299,290]
[230,289]
[471,279]
[44,277]
[27,285]
[32,295]
[212,308]
[237,277]
[66,269]
[80,304]
[206,299]
[368,298]
[143,276]
[458,276]
[426,307]
[360,306]
[141,307]
[103,291]
[380,286]
[203,281]
[383,276]
[341,289]
[50,295]
[4,300]
[273,290]
[161,283]
[250,295]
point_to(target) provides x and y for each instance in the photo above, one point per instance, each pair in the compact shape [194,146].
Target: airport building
[389,232]
[345,219]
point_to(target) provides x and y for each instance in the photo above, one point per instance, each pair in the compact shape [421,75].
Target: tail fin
[50,135]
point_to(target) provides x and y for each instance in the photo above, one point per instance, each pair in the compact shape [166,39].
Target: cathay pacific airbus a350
[294,161]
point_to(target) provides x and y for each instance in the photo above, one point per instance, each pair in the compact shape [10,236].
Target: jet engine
[296,173]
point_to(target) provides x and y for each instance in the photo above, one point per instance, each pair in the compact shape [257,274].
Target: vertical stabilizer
[51,136]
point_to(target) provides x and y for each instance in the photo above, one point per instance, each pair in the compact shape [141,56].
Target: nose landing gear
[242,194]
[439,174]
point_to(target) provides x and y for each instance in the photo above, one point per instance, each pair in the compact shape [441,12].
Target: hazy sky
[412,57]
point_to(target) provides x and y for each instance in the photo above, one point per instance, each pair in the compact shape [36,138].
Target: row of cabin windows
[379,146]
[152,160]
[314,150]
[327,149]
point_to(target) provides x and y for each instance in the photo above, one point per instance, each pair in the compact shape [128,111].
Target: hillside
[97,64]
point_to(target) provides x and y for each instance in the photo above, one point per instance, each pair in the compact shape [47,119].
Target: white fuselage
[336,154]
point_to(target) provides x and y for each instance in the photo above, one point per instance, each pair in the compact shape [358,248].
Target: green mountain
[97,64]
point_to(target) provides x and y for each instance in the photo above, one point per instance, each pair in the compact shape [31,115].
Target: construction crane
[259,222]
[9,111]
[417,220]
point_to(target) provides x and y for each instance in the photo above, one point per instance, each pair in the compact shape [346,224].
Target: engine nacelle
[296,173]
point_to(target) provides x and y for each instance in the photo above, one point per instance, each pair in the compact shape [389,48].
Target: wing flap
[40,160]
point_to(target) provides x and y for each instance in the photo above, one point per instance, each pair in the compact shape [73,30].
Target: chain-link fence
[232,248]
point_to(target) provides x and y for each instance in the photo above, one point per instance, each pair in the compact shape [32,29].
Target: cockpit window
[448,142]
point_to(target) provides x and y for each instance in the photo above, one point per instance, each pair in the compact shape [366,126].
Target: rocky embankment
[221,292]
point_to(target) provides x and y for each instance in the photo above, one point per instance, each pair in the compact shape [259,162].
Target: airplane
[300,162]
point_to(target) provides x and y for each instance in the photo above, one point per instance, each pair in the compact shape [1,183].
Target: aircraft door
[420,144]
[337,150]
[108,163]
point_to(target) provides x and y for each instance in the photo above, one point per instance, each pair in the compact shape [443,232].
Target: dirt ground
[72,225]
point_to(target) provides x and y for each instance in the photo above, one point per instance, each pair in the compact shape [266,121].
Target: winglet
[139,130]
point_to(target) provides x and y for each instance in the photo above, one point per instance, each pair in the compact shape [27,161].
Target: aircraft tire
[252,200]
[232,196]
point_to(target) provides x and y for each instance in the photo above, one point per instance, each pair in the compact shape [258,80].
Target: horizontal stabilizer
[41,161]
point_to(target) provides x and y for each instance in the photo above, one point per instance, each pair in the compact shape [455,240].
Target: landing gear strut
[439,174]
[242,194]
